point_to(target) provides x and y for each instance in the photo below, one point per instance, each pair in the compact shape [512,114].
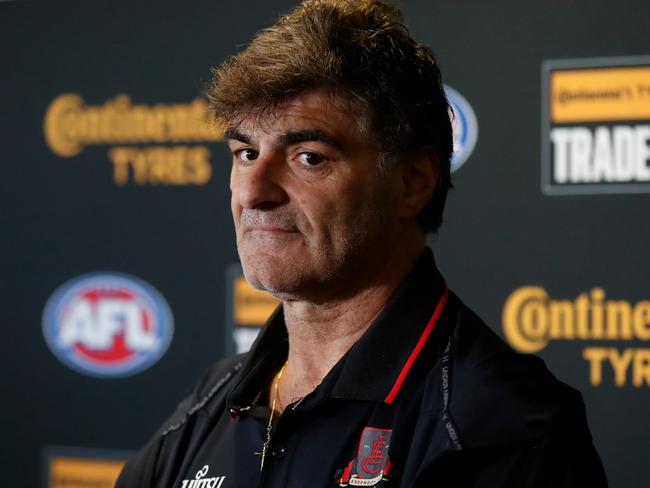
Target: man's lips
[270,228]
[278,222]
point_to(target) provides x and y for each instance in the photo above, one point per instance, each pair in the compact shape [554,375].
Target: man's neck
[320,334]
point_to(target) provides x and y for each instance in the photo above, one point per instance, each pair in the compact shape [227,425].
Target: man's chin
[281,291]
[263,273]
[282,283]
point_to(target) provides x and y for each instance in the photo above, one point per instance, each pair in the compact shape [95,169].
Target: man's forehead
[314,110]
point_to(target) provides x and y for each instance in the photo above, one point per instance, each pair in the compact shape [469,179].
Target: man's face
[313,215]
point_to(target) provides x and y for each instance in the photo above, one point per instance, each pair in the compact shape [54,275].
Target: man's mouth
[270,228]
[252,221]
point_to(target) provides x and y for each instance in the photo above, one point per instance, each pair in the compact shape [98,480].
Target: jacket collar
[377,364]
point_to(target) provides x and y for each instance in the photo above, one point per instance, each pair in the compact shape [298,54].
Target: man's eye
[310,158]
[246,154]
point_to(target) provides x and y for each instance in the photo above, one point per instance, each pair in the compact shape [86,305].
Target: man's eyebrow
[292,137]
[308,135]
[236,135]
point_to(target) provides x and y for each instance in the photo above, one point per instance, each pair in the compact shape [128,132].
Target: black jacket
[429,396]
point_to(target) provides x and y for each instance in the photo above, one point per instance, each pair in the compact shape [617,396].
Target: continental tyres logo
[147,144]
[83,473]
[596,126]
[71,467]
[247,311]
[532,321]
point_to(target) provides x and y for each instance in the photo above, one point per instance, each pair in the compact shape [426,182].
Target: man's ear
[419,175]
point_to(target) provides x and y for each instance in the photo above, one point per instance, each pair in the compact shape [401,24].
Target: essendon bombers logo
[107,324]
[372,464]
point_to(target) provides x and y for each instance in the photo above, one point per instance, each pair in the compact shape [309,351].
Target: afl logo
[107,324]
[464,126]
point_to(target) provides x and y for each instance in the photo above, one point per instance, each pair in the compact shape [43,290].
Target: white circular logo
[464,127]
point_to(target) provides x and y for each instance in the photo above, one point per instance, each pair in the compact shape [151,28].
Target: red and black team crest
[372,464]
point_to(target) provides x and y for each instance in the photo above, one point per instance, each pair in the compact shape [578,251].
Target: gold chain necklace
[269,427]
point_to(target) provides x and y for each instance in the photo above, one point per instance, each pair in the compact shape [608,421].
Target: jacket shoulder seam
[203,400]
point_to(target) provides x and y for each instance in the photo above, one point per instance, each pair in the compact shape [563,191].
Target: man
[371,373]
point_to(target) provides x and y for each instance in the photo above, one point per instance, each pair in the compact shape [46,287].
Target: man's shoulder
[501,397]
[207,392]
[156,463]
[217,374]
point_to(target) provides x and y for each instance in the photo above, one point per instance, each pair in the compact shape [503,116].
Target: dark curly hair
[362,49]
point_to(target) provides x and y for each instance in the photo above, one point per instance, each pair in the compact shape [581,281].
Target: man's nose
[260,185]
